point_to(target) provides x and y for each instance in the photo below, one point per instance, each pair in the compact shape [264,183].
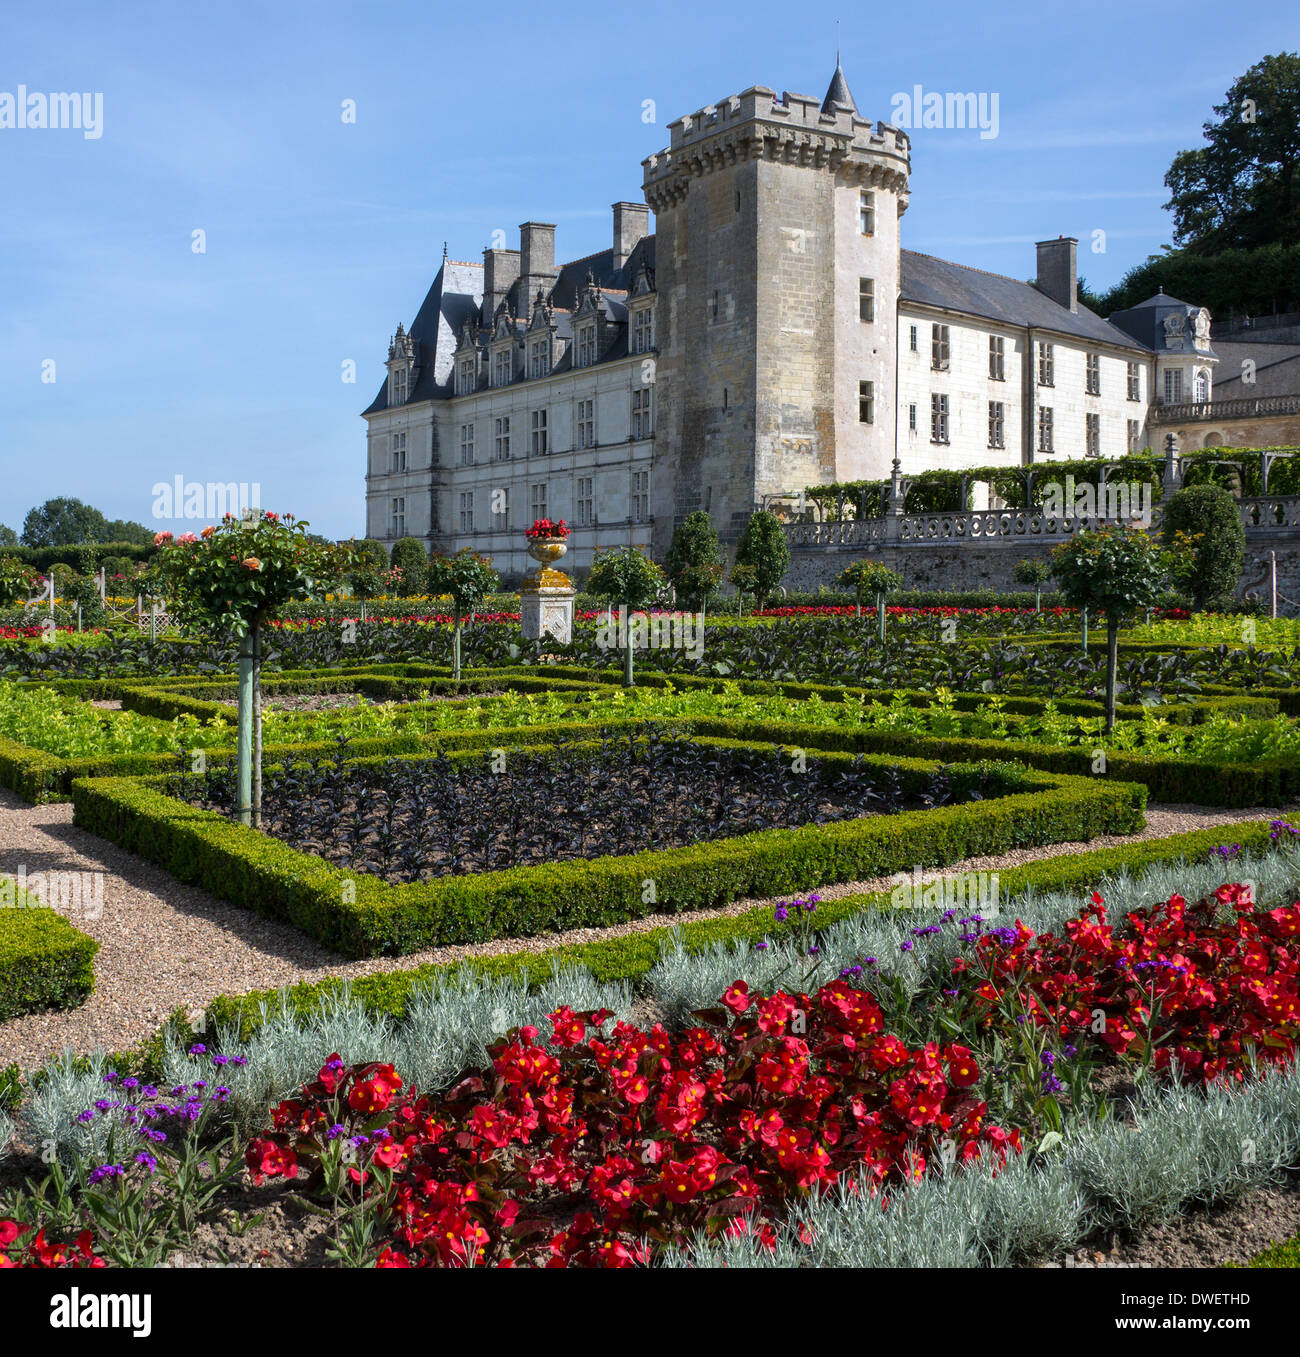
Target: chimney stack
[1058,271]
[631,223]
[500,272]
[537,259]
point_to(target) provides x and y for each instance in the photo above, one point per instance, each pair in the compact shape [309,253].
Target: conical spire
[838,93]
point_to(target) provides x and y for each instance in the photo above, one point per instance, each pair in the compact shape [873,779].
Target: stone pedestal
[547,611]
[546,596]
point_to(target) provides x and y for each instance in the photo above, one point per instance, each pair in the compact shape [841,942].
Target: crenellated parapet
[759,124]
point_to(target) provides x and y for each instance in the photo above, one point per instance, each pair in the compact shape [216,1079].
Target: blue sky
[321,235]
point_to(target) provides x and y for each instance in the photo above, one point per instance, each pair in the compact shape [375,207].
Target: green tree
[627,578]
[1242,189]
[695,563]
[412,559]
[1034,571]
[1115,570]
[870,579]
[1207,518]
[763,545]
[8,537]
[124,530]
[469,578]
[59,522]
[230,580]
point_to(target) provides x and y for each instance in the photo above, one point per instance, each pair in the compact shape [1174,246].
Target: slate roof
[456,296]
[1277,372]
[837,92]
[992,296]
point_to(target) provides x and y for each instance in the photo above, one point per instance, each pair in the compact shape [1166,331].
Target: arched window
[1201,387]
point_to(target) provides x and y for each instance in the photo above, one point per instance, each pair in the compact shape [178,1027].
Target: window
[866,402]
[1092,435]
[397,524]
[1046,364]
[997,431]
[501,435]
[1092,380]
[1134,381]
[586,424]
[939,348]
[997,362]
[467,511]
[1173,386]
[1045,428]
[502,368]
[466,383]
[867,213]
[501,509]
[1134,434]
[467,445]
[540,441]
[537,500]
[586,346]
[643,330]
[866,299]
[398,386]
[938,419]
[1201,388]
[586,502]
[911,418]
[911,338]
[397,455]
[640,497]
[539,358]
[642,413]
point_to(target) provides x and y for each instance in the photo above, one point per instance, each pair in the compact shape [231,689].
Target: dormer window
[586,346]
[539,357]
[397,386]
[465,381]
[502,368]
[643,329]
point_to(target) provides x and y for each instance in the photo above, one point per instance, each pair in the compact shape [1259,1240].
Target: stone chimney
[537,260]
[500,272]
[1058,271]
[631,223]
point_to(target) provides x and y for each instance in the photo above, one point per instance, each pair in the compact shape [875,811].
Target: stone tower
[775,217]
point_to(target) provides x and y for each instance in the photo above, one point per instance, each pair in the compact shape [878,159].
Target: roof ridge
[970,268]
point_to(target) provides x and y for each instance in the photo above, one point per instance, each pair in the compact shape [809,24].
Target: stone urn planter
[546,595]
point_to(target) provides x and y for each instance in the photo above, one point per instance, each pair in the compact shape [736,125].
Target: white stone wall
[970,390]
[610,464]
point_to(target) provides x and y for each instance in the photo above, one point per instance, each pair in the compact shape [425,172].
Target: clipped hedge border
[630,956]
[45,962]
[360,915]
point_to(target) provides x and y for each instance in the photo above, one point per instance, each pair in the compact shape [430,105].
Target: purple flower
[907,946]
[333,1132]
[148,1161]
[198,1049]
[106,1171]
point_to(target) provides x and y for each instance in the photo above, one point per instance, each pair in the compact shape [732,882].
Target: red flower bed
[1168,985]
[37,1252]
[578,1149]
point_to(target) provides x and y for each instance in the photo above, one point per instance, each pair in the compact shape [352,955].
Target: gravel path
[164,945]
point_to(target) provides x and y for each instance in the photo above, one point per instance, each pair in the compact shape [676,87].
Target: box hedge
[44,961]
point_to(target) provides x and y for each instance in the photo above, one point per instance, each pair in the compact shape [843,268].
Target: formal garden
[722,926]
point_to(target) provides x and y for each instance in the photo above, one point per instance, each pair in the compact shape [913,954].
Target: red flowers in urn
[544,529]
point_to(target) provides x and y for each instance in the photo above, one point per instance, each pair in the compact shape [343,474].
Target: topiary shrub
[763,548]
[1202,525]
[411,558]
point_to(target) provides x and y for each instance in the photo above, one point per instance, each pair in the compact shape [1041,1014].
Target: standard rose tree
[227,581]
[17,580]
[469,579]
[628,578]
[871,580]
[1115,570]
